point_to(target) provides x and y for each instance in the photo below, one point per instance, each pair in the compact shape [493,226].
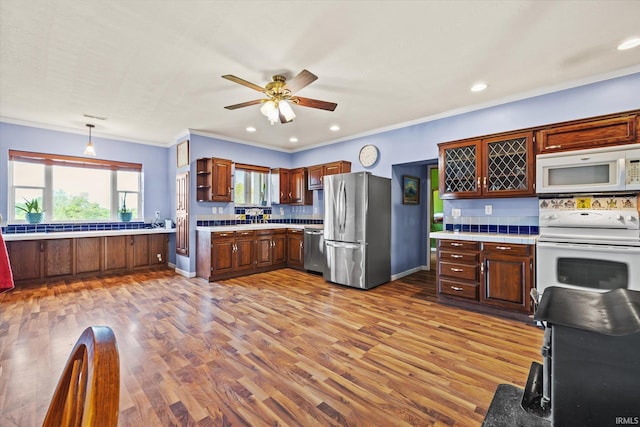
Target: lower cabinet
[295,249]
[507,276]
[63,258]
[222,255]
[490,276]
[26,258]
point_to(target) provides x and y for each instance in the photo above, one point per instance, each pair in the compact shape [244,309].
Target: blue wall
[400,149]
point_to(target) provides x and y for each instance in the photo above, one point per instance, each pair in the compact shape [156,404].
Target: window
[73,188]
[250,185]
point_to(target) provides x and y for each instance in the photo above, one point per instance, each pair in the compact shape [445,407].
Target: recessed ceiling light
[293,139]
[628,44]
[251,129]
[334,128]
[478,87]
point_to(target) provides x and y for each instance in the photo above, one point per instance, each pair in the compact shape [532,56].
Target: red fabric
[6,278]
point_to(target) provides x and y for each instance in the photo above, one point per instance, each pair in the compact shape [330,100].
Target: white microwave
[594,170]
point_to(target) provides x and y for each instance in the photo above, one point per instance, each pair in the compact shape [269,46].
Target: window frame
[50,160]
[249,169]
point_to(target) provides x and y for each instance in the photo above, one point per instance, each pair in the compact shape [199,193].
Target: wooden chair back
[88,391]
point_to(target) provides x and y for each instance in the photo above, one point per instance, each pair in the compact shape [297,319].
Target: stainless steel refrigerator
[357,229]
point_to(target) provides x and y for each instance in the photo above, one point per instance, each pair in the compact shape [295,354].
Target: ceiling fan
[279,94]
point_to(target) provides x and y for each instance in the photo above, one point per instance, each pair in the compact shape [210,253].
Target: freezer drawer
[346,263]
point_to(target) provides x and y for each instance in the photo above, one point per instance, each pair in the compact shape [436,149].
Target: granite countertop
[9,237]
[524,239]
[243,227]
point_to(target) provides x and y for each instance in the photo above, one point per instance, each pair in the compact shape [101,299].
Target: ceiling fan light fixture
[90,150]
[270,111]
[286,110]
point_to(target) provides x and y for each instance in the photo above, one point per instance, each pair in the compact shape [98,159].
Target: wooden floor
[272,349]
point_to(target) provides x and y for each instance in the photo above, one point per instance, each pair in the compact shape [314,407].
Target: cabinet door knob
[478,182]
[456,288]
[456,244]
[457,270]
[485,182]
[456,256]
[503,248]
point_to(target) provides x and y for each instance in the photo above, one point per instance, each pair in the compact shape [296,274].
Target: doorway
[436,211]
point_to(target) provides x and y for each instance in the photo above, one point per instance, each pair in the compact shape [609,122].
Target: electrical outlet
[220,209]
[214,209]
[456,212]
[488,209]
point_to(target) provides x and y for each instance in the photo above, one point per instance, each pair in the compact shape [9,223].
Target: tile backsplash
[525,225]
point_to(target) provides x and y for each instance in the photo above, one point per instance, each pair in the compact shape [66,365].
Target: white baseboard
[408,272]
[187,274]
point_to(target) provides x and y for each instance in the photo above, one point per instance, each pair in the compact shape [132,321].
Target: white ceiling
[153,68]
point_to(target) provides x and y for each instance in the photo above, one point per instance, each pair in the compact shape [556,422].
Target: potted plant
[125,213]
[33,211]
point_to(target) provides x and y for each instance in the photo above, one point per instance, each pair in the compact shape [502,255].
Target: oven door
[594,267]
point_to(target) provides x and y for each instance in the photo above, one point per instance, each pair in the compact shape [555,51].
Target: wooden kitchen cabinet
[182,213]
[148,250]
[89,254]
[221,184]
[270,248]
[458,269]
[225,254]
[295,248]
[213,180]
[496,166]
[58,259]
[69,257]
[26,259]
[299,194]
[507,276]
[490,277]
[289,187]
[318,172]
[116,252]
[589,133]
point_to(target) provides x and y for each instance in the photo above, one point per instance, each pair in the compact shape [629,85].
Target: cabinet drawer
[458,257]
[462,290]
[506,248]
[464,245]
[459,271]
[245,233]
[222,235]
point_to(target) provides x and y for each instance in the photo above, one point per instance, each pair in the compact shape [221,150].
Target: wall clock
[368,155]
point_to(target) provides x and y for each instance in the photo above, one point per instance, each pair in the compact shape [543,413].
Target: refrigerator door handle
[342,245]
[342,206]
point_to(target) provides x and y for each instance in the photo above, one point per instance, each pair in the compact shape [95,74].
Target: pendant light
[90,151]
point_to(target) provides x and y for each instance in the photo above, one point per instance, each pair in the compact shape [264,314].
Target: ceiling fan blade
[243,82]
[303,79]
[315,103]
[244,104]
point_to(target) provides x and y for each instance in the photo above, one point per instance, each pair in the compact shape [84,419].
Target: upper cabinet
[589,133]
[289,187]
[318,172]
[213,180]
[501,166]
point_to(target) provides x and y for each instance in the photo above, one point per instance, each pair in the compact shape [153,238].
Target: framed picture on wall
[410,190]
[183,153]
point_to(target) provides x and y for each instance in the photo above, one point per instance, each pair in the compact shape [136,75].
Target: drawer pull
[457,289]
[456,256]
[456,244]
[503,248]
[457,270]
